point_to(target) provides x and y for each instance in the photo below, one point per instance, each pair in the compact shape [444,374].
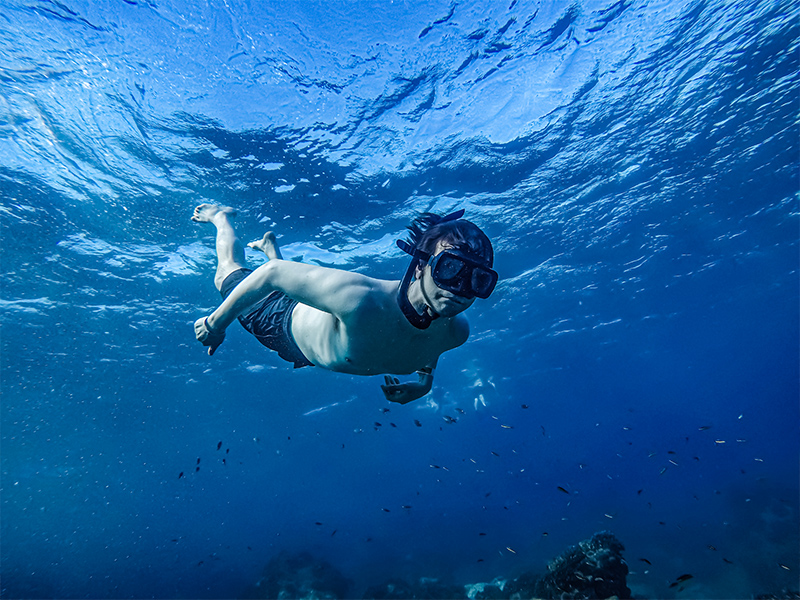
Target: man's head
[457,255]
[429,230]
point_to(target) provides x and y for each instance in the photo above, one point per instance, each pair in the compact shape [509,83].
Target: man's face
[443,302]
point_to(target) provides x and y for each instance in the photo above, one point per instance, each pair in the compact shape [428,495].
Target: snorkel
[419,258]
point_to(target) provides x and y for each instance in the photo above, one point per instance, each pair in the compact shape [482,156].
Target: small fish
[417,423]
[393,425]
[180,474]
[524,406]
[384,410]
[376,424]
[480,560]
[671,452]
[673,462]
[487,494]
[664,470]
[561,489]
[385,510]
[227,450]
[449,419]
[405,506]
[507,426]
[511,550]
[651,455]
[640,492]
[609,516]
[626,429]
[436,466]
[730,562]
[710,547]
[782,566]
[223,462]
[647,562]
[461,410]
[333,533]
[196,469]
[545,534]
[198,461]
[719,441]
[543,430]
[481,533]
[495,453]
[317,523]
[219,445]
[686,577]
[704,428]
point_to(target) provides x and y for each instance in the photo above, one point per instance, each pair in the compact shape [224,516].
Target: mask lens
[483,282]
[449,268]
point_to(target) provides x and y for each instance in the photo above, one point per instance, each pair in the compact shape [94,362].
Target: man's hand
[206,336]
[403,393]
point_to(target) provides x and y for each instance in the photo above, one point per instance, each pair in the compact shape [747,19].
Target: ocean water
[636,166]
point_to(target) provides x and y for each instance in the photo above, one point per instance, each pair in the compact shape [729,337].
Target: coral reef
[299,576]
[592,569]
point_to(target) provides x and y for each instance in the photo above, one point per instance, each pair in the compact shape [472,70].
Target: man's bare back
[342,321]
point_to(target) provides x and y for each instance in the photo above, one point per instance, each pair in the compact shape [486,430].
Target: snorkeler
[348,322]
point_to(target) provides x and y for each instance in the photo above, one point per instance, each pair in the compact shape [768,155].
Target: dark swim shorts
[269,320]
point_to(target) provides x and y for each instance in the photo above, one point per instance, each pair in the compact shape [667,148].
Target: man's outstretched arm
[331,290]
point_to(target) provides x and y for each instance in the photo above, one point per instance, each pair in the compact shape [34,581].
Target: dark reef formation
[299,576]
[592,569]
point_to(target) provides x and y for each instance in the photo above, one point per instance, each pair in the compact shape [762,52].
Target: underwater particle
[417,423]
[561,489]
[645,561]
[710,547]
[219,445]
[180,474]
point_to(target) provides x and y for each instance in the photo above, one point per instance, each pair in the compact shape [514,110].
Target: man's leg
[230,252]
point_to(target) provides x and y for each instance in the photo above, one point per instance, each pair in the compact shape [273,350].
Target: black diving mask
[462,276]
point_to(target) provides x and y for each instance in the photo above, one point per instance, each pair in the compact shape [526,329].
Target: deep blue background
[636,166]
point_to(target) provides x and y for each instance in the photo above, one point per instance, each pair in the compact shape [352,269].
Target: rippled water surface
[635,164]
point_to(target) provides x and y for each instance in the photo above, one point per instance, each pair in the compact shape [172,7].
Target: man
[348,322]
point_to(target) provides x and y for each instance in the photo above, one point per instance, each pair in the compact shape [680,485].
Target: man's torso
[376,339]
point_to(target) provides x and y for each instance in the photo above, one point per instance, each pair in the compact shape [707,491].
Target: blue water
[636,165]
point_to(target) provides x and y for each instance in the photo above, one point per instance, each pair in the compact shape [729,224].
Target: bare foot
[205,213]
[268,246]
